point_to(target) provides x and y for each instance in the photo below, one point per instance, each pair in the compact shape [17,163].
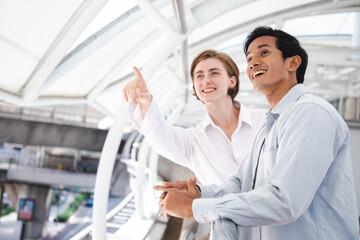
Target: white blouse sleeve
[174,143]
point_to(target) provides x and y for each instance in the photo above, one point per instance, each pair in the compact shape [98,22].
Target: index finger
[138,74]
[162,188]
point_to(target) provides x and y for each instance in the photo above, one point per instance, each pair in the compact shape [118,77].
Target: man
[298,182]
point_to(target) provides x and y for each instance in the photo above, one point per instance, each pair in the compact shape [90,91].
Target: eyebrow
[260,46]
[210,70]
[200,71]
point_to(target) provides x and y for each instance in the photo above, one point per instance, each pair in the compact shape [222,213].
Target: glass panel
[111,10]
[329,24]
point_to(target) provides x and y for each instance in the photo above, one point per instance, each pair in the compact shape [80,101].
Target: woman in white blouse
[217,146]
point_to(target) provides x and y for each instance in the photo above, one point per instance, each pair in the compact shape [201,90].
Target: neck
[274,97]
[223,113]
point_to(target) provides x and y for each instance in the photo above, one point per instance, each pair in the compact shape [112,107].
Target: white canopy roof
[81,52]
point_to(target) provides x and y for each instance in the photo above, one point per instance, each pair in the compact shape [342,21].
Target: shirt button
[206,218]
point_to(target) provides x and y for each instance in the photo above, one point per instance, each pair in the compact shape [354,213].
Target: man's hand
[136,90]
[181,185]
[177,198]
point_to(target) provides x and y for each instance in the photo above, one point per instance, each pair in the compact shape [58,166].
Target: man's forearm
[232,185]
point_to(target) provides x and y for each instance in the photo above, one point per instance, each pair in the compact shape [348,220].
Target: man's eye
[264,53]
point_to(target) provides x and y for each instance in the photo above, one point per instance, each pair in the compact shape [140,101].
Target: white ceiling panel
[15,66]
[89,72]
[35,24]
[37,68]
[246,13]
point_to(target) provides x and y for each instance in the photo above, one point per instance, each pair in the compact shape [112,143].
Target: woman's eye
[248,59]
[214,73]
[198,77]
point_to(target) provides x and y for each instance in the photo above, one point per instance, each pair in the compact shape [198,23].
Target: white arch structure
[40,67]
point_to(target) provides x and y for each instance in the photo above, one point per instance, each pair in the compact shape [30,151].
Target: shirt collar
[244,116]
[207,120]
[293,95]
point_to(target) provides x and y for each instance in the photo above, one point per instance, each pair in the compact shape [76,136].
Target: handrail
[83,233]
[189,231]
[120,206]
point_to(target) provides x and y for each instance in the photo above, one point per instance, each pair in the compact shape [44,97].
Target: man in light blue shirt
[298,182]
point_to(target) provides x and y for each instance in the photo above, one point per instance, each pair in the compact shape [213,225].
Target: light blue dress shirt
[304,187]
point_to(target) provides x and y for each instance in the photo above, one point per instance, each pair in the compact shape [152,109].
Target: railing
[189,231]
[82,235]
[71,160]
[9,157]
[84,118]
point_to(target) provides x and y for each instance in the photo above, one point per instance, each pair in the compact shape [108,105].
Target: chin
[257,88]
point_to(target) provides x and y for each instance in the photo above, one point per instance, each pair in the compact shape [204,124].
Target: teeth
[258,72]
[208,90]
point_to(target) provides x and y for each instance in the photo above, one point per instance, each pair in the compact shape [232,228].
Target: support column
[140,178]
[34,229]
[104,173]
[356,37]
[12,190]
[1,196]
[350,108]
[29,156]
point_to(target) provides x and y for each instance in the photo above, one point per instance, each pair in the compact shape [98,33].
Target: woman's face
[211,80]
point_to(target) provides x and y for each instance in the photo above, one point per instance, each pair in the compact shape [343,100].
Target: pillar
[35,228]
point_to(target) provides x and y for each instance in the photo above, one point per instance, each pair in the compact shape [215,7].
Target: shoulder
[312,100]
[315,104]
[312,108]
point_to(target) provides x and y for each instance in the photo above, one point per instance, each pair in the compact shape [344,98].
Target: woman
[217,146]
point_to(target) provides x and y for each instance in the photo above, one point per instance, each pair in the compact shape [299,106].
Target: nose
[206,79]
[253,63]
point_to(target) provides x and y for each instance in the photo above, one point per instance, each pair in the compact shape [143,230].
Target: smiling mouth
[208,90]
[258,73]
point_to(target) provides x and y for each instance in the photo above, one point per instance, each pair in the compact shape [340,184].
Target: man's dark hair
[286,43]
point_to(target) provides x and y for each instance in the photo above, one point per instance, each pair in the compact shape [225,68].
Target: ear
[295,62]
[233,82]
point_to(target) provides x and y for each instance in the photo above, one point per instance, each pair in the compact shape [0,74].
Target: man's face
[267,70]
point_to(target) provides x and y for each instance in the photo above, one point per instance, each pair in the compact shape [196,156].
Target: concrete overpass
[40,133]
